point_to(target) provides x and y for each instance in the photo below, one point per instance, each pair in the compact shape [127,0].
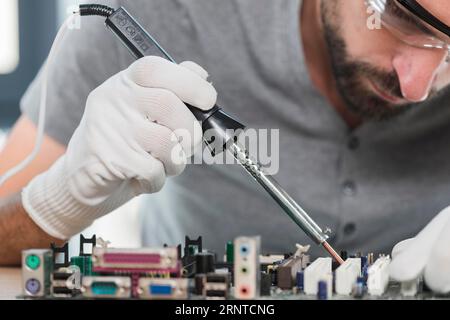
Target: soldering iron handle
[140,43]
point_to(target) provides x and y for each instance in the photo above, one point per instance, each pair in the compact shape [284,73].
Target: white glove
[135,132]
[427,254]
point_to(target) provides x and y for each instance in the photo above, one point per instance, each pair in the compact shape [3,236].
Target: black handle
[216,123]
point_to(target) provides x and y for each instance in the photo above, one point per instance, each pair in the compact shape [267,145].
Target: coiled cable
[95,10]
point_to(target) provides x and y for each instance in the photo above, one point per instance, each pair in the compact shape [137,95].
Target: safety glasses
[412,23]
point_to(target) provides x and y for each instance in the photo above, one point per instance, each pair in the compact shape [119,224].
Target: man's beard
[349,75]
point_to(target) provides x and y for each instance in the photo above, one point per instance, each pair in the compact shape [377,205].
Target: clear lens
[407,27]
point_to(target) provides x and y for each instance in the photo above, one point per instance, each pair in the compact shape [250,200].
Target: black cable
[95,10]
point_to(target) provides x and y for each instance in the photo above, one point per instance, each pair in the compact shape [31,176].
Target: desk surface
[10,283]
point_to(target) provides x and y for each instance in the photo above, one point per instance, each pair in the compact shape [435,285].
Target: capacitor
[300,280]
[204,263]
[365,274]
[322,292]
[361,280]
[358,290]
[364,261]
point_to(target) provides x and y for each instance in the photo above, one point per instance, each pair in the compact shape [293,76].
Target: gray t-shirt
[372,186]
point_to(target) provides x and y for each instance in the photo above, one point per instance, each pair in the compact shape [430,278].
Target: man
[363,117]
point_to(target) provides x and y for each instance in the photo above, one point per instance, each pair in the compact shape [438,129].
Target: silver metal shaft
[297,214]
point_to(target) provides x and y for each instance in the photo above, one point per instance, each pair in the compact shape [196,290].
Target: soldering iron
[224,127]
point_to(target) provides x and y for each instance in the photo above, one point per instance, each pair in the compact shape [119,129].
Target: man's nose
[416,69]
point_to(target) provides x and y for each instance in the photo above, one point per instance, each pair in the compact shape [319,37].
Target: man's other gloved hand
[135,132]
[427,254]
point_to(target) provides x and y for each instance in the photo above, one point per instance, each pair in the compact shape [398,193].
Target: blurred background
[27,30]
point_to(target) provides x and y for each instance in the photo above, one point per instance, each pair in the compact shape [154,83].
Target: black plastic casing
[220,127]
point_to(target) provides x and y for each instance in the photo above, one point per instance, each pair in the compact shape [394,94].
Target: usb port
[216,294]
[217,278]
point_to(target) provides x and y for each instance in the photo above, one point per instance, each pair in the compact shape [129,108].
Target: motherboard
[191,272]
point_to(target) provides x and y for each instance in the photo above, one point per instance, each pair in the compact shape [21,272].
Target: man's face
[378,75]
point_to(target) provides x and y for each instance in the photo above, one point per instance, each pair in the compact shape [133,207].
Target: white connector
[347,275]
[378,280]
[410,288]
[319,270]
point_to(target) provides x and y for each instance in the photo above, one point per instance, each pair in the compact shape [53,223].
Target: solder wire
[284,200]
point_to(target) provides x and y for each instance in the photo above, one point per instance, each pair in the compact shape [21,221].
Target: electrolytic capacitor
[364,262]
[322,292]
[358,290]
[300,280]
[204,263]
[365,274]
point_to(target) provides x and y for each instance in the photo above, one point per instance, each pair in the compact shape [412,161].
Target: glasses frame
[417,10]
[423,14]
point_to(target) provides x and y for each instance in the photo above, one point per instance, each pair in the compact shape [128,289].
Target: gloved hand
[135,132]
[427,254]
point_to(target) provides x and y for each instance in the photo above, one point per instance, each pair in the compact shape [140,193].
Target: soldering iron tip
[333,252]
